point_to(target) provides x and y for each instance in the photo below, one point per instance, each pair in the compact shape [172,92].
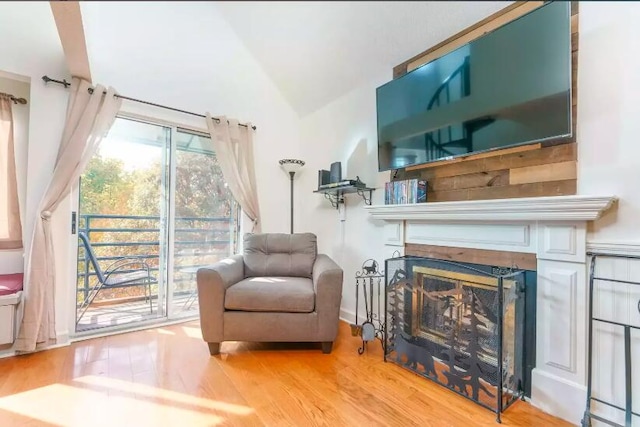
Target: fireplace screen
[459,325]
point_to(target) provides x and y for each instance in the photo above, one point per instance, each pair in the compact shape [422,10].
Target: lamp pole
[291,175]
[291,166]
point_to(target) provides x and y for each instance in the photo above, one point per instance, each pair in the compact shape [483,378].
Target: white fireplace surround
[553,228]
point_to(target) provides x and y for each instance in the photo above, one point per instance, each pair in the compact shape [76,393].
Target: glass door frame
[167,235]
[171,226]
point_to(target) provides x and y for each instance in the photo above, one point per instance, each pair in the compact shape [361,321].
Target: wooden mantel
[557,208]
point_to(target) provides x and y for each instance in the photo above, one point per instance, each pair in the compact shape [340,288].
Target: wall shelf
[336,195]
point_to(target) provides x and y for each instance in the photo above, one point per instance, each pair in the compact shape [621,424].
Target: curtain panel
[10,225]
[89,118]
[233,146]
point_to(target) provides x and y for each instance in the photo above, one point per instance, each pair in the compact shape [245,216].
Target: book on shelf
[405,192]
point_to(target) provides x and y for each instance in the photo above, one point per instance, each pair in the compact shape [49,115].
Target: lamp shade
[291,165]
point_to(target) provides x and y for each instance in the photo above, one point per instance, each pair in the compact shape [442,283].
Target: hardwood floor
[165,377]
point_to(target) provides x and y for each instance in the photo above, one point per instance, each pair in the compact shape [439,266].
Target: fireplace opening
[465,326]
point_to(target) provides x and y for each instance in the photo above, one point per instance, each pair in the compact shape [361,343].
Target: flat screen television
[509,87]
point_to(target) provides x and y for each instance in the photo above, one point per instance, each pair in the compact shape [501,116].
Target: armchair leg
[327,346]
[214,348]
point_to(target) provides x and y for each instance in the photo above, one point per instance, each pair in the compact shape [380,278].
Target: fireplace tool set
[370,280]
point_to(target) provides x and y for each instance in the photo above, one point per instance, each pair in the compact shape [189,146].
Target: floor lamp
[291,166]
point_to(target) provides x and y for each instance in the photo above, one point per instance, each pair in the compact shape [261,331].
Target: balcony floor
[102,315]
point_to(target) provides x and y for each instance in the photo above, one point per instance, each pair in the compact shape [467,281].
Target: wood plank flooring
[165,377]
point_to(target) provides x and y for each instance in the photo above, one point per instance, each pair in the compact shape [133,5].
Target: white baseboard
[63,338]
[347,315]
[9,352]
[557,396]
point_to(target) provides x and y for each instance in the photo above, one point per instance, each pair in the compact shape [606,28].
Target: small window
[10,225]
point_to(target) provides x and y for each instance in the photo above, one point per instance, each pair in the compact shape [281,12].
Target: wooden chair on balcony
[129,271]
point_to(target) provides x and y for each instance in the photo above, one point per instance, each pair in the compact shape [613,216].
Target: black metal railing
[198,241]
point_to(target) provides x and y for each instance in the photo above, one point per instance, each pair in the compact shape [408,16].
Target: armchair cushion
[276,254]
[275,294]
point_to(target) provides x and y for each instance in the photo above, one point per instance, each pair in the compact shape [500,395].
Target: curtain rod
[65,83]
[16,100]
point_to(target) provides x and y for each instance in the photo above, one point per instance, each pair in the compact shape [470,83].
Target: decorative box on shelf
[335,191]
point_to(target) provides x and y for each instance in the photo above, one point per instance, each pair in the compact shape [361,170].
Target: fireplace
[461,325]
[552,231]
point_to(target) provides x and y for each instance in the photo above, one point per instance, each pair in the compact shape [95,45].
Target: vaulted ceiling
[317,51]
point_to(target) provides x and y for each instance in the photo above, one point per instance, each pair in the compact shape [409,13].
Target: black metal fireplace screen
[457,325]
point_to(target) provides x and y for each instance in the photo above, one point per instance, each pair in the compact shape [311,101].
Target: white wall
[608,111]
[344,130]
[185,57]
[188,57]
[608,147]
[609,164]
[31,49]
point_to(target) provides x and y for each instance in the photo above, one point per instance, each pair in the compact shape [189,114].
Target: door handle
[74,222]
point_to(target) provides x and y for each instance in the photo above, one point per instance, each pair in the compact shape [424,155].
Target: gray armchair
[280,289]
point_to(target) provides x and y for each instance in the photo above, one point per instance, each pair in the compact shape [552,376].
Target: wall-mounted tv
[509,87]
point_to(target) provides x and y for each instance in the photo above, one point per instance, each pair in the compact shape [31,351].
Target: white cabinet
[8,309]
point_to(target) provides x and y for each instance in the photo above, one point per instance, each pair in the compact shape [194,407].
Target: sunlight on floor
[158,393]
[192,332]
[100,401]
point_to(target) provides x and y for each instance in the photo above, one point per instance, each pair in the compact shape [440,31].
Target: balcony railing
[198,241]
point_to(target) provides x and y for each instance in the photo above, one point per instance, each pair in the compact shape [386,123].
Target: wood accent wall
[542,169]
[475,256]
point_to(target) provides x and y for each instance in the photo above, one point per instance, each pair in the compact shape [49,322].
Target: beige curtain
[233,145]
[10,226]
[89,118]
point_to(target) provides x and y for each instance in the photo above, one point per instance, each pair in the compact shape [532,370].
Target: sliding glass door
[205,217]
[153,194]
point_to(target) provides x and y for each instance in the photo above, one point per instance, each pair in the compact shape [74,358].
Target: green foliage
[105,186]
[200,187]
[146,198]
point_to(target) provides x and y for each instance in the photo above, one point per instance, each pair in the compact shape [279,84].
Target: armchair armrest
[327,283]
[213,281]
